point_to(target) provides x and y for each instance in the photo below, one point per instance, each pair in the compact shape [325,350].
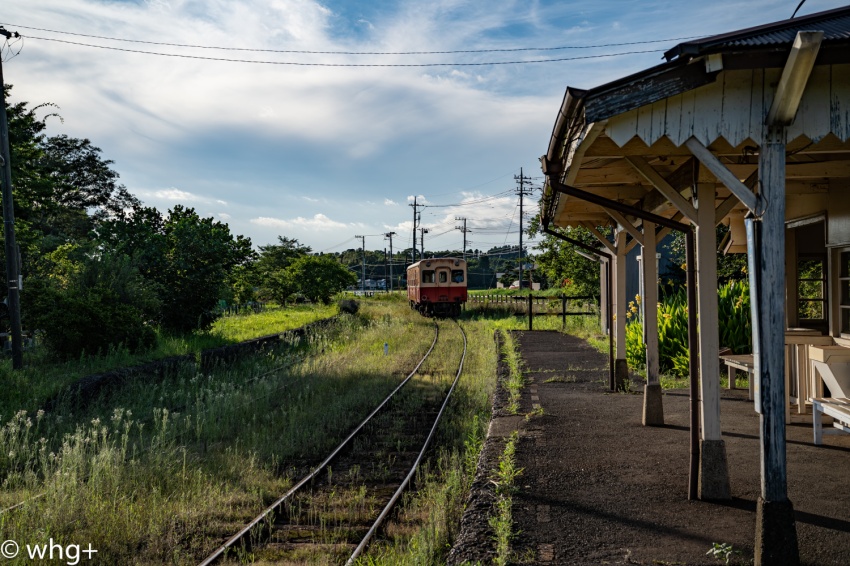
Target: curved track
[333,513]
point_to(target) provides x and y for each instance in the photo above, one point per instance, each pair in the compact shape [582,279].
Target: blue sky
[323,153]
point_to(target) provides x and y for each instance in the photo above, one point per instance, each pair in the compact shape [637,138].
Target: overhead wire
[310,52]
[347,65]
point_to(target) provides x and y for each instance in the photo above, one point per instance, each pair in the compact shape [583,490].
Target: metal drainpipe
[693,344]
[600,257]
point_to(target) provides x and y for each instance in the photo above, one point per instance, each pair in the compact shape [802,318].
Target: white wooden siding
[734,108]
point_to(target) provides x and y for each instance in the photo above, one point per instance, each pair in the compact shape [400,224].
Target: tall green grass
[43,377]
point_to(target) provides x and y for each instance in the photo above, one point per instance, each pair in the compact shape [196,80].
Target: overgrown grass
[157,472]
[429,520]
[43,376]
[502,520]
[162,472]
[515,380]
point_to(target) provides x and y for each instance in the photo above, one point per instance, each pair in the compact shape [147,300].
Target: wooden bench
[742,362]
[836,407]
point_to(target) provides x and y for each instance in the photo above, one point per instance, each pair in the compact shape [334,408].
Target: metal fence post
[530,311]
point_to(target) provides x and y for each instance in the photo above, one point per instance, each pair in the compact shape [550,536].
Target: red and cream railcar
[437,286]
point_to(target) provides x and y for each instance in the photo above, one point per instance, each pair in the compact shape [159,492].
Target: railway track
[333,513]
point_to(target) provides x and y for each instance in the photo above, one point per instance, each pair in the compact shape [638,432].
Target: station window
[428,276]
[811,288]
[457,275]
[444,276]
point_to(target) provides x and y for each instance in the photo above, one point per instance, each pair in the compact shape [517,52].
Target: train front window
[457,275]
[444,276]
[428,276]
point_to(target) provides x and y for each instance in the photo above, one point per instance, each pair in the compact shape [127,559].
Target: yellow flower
[637,299]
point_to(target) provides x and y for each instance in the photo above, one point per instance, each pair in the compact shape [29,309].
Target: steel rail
[220,551]
[386,511]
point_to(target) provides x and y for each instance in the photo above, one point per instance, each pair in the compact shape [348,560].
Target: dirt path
[600,488]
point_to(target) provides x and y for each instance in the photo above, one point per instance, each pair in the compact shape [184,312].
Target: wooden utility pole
[13,273]
[414,205]
[521,192]
[464,230]
[423,232]
[363,279]
[389,235]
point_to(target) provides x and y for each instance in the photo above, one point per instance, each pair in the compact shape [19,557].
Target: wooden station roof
[622,139]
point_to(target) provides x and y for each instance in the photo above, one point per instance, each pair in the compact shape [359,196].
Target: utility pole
[464,230]
[414,205]
[389,235]
[13,270]
[423,231]
[363,278]
[521,192]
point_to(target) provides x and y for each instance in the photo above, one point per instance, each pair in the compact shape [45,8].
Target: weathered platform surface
[600,488]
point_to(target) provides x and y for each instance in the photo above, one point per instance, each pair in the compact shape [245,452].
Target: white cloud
[390,202]
[224,216]
[318,222]
[175,195]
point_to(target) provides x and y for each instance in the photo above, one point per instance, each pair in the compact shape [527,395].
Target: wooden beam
[744,194]
[725,208]
[627,226]
[645,169]
[600,236]
[732,201]
[794,77]
[662,233]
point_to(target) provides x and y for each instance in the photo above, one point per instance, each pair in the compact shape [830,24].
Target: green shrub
[735,329]
[98,303]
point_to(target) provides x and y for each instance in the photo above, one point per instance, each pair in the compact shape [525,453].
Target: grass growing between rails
[163,473]
[42,376]
[427,524]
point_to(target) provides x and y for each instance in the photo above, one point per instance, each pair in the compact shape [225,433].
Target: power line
[302,64]
[309,52]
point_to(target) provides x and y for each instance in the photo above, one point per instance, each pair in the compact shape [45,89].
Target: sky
[270,116]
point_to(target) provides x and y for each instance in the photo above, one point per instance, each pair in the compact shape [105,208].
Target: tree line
[101,268]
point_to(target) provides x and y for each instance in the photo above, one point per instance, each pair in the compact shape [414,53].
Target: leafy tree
[559,261]
[268,272]
[319,278]
[187,258]
[62,186]
[90,302]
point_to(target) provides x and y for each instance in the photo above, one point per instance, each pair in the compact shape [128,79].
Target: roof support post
[621,368]
[776,533]
[714,472]
[653,407]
